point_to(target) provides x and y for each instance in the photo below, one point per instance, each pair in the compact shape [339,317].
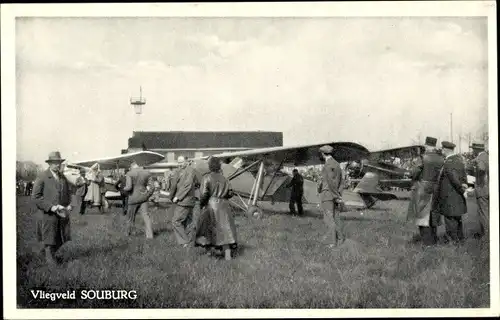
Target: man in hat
[482,190]
[425,177]
[450,192]
[138,185]
[330,189]
[184,183]
[81,190]
[51,194]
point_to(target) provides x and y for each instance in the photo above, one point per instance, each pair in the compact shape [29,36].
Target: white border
[309,9]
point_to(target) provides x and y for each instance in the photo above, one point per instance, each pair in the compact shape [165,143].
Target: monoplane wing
[401,152]
[143,158]
[301,155]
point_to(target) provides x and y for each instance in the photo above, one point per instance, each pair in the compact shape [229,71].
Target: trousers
[296,200]
[184,223]
[454,228]
[335,232]
[132,211]
[483,211]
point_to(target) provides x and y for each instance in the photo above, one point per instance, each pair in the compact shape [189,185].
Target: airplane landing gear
[254,212]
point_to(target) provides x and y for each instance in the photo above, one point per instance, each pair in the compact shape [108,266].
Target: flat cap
[326,149]
[448,145]
[430,141]
[478,146]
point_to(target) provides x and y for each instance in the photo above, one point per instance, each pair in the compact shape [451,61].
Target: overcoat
[47,192]
[216,225]
[449,194]
[426,175]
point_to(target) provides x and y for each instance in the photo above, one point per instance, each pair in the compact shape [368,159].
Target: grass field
[281,263]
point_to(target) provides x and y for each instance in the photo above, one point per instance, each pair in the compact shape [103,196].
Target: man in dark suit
[425,177]
[183,194]
[52,197]
[81,190]
[330,189]
[119,185]
[450,193]
[138,185]
[297,192]
[482,190]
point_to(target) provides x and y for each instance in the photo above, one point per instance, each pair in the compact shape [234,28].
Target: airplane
[256,174]
[143,158]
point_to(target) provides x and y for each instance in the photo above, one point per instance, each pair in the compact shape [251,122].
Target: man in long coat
[481,188]
[330,189]
[138,184]
[425,176]
[183,195]
[450,193]
[52,197]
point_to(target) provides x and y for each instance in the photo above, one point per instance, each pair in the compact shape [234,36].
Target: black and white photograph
[279,159]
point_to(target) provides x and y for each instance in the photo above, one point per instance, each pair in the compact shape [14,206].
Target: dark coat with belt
[449,194]
[137,181]
[184,184]
[216,225]
[330,187]
[47,192]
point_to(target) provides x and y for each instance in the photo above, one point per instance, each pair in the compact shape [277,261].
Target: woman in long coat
[216,227]
[95,180]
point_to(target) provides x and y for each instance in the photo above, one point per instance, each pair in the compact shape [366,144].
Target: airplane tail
[369,190]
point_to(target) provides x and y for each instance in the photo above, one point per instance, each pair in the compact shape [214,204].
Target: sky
[381,82]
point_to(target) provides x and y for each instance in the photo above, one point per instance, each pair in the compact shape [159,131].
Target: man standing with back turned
[330,189]
[450,193]
[138,185]
[421,208]
[297,185]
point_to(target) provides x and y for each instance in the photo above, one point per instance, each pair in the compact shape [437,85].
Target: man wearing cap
[450,192]
[482,190]
[425,177]
[184,183]
[81,190]
[139,187]
[52,197]
[330,189]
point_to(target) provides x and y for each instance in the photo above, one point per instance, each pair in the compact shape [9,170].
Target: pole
[451,126]
[460,142]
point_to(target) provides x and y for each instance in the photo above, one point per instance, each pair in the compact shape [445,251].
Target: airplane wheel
[254,212]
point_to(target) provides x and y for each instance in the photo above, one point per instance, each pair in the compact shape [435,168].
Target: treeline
[27,170]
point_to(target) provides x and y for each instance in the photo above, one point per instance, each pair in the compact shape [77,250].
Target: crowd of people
[203,216]
[24,188]
[441,188]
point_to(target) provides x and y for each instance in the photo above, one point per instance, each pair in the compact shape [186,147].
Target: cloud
[375,81]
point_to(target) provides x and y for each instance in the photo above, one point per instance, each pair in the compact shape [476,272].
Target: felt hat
[55,156]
